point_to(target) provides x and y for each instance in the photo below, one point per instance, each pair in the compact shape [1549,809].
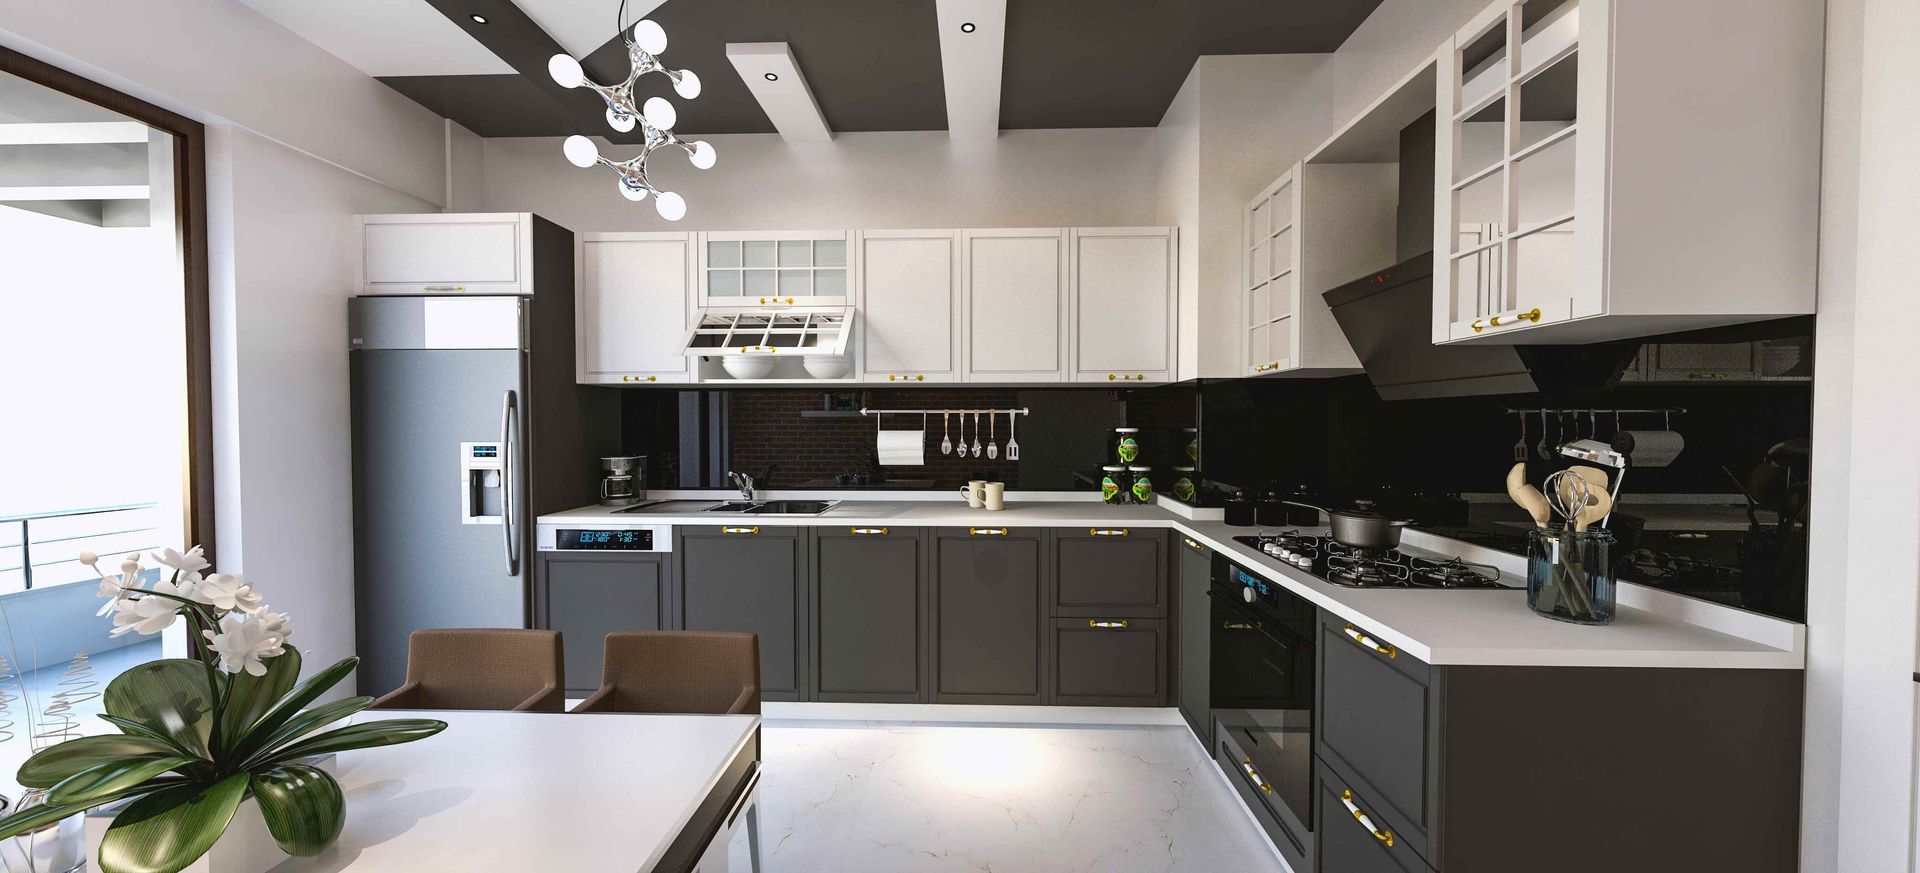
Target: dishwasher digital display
[618,540]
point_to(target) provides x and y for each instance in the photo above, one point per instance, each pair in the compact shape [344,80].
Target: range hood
[1387,317]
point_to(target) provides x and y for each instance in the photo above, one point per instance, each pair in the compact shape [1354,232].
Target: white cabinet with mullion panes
[1268,271]
[1278,311]
[775,268]
[1606,176]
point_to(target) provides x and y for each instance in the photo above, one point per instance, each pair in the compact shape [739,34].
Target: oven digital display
[608,540]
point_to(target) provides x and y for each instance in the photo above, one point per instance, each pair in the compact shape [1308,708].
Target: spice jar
[1126,444]
[1183,487]
[1113,484]
[1142,488]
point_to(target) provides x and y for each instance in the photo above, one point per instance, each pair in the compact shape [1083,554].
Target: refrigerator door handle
[509,444]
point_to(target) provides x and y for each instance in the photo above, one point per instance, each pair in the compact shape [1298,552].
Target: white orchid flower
[243,643]
[115,587]
[231,593]
[148,614]
[276,623]
[188,565]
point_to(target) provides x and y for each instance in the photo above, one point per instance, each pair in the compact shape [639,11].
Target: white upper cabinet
[910,325]
[1317,226]
[776,268]
[1608,169]
[1014,304]
[1123,304]
[636,295]
[450,253]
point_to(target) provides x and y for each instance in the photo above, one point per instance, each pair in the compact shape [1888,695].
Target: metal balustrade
[42,549]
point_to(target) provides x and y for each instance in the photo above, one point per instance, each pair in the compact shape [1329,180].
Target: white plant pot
[246,847]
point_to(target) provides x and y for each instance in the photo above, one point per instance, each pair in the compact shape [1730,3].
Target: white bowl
[827,366]
[747,366]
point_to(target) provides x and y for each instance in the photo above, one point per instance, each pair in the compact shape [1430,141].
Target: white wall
[219,60]
[1177,202]
[910,179]
[281,227]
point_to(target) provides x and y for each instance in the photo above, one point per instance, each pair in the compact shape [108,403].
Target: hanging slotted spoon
[976,434]
[993,435]
[1013,445]
[946,442]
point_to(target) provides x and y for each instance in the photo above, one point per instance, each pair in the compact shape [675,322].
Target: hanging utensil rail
[1021,411]
[1595,410]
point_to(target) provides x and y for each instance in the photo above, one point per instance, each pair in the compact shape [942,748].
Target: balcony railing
[42,549]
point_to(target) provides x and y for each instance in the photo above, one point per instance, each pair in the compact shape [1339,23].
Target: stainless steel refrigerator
[467,424]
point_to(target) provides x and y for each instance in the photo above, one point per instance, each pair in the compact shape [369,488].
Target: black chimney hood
[1388,319]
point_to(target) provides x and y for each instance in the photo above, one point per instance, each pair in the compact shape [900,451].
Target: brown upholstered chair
[481,668]
[706,672]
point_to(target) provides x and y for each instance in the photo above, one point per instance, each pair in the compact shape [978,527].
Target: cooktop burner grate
[1370,568]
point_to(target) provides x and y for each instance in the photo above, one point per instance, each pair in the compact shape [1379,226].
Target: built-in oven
[1261,673]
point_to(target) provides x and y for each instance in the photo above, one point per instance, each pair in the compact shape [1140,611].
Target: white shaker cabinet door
[1015,304]
[909,325]
[636,291]
[475,253]
[1123,304]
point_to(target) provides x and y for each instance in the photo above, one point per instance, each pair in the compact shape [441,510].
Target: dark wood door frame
[190,216]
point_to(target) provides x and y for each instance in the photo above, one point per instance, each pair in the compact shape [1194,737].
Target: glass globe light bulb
[632,193]
[650,37]
[580,151]
[703,155]
[566,71]
[660,113]
[619,122]
[688,86]
[672,206]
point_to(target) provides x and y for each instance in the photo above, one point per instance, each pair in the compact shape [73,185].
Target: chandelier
[655,118]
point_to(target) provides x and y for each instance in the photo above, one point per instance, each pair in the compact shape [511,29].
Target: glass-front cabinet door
[1514,104]
[1271,278]
[775,268]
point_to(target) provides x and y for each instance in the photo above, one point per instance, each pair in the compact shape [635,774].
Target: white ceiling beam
[72,132]
[973,41]
[774,77]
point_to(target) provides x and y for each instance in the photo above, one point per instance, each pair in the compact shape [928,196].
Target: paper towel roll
[1649,448]
[902,448]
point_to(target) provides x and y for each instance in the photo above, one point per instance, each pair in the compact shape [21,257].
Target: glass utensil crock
[1570,574]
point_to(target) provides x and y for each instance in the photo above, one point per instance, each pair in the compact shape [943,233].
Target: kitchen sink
[793,507]
[734,506]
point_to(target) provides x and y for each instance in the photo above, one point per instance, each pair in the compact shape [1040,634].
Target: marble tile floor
[904,797]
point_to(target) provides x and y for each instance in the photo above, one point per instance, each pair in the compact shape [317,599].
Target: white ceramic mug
[996,496]
[976,493]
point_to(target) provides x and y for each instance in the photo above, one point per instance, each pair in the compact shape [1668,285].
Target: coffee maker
[625,480]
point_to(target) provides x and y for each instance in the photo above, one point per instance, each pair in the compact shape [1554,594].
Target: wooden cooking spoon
[1599,503]
[1528,497]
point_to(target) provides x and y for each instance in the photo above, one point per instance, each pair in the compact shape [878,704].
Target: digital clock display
[609,540]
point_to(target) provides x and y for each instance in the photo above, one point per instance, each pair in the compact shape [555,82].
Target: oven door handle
[1246,619]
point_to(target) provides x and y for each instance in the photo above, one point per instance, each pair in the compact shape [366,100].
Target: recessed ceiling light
[478,19]
[773,77]
[968,27]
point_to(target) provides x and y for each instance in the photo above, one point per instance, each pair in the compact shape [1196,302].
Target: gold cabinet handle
[987,531]
[741,530]
[1194,546]
[1122,377]
[766,300]
[869,531]
[1379,833]
[443,288]
[1532,315]
[1109,531]
[1367,641]
[639,378]
[1246,766]
[1107,623]
[917,378]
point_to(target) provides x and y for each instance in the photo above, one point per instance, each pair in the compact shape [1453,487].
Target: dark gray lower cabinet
[1110,571]
[750,578]
[988,615]
[1374,706]
[870,614]
[1361,843]
[1110,661]
[586,596]
[1193,572]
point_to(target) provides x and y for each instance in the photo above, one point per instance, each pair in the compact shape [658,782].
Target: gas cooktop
[1365,568]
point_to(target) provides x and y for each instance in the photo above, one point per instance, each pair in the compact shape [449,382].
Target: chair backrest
[483,668]
[705,672]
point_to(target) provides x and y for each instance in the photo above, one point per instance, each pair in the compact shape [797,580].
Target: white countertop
[1459,627]
[528,791]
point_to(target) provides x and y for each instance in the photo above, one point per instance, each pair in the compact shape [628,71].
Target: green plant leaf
[388,732]
[170,696]
[43,814]
[137,729]
[306,692]
[248,696]
[307,722]
[113,777]
[168,829]
[54,763]
[303,807]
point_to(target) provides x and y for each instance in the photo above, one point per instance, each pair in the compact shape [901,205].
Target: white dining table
[539,791]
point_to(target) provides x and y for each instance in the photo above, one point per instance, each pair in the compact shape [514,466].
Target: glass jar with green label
[1126,444]
[1142,487]
[1183,488]
[1113,484]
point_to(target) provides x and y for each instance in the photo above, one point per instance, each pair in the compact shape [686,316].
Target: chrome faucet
[743,482]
